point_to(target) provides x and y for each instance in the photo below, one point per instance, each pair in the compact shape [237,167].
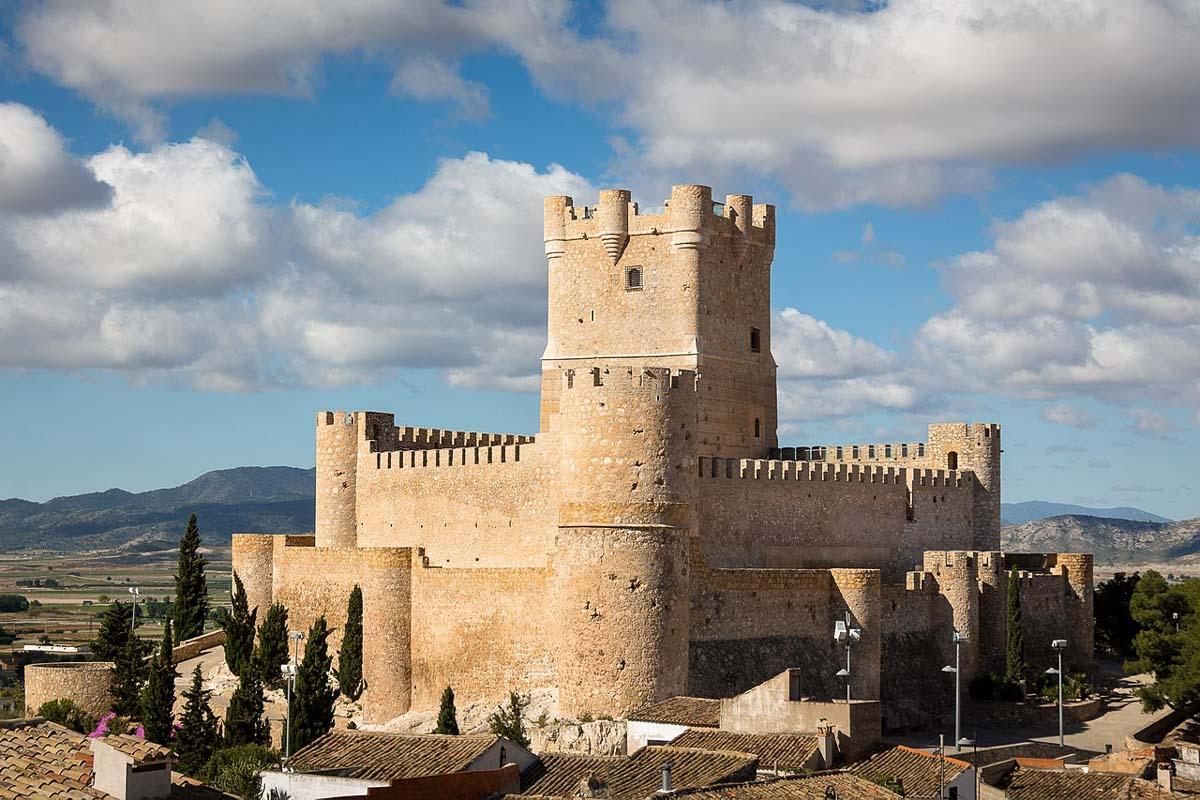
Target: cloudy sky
[218,217]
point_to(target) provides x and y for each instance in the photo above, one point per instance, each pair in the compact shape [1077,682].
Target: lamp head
[949,669]
[1052,671]
[843,673]
[840,632]
[1059,644]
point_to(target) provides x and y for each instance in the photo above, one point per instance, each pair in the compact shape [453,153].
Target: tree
[447,721]
[158,696]
[244,723]
[198,728]
[313,697]
[350,655]
[273,645]
[1015,662]
[191,587]
[115,630]
[508,721]
[129,676]
[239,629]
[1115,626]
[1172,656]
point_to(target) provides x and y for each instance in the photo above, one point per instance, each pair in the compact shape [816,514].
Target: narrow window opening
[952,460]
[755,340]
[757,428]
[593,314]
[633,278]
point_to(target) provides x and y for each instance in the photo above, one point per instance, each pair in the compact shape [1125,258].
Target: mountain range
[270,499]
[280,500]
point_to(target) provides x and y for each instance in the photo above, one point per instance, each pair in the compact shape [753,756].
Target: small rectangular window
[633,278]
[755,340]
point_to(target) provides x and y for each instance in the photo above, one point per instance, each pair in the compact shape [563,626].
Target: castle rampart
[653,538]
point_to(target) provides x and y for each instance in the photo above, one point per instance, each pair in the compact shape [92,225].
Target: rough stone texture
[653,539]
[87,683]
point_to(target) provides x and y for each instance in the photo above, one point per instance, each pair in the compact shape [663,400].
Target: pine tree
[244,723]
[191,587]
[198,729]
[1015,664]
[115,630]
[273,645]
[158,695]
[447,715]
[129,676]
[509,721]
[239,629]
[313,697]
[349,671]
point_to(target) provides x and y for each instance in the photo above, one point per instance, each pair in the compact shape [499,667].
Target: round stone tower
[386,575]
[621,584]
[860,591]
[337,466]
[1078,568]
[957,576]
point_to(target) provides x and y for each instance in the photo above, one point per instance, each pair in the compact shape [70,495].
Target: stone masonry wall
[87,683]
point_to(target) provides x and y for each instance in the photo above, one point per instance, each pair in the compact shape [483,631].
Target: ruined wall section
[703,284]
[491,506]
[621,561]
[758,513]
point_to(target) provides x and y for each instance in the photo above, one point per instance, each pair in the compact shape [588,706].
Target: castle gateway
[653,539]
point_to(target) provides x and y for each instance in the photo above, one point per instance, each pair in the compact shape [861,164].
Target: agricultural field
[68,593]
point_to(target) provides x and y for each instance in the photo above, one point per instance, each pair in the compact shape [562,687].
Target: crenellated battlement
[890,451]
[451,456]
[778,470]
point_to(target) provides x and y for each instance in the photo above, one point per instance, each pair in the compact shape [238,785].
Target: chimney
[1166,776]
[826,741]
[128,768]
[666,779]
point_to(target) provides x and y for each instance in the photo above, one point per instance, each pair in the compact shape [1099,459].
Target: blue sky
[213,224]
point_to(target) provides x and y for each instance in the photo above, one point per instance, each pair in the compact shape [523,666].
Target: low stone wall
[190,648]
[86,683]
[1028,715]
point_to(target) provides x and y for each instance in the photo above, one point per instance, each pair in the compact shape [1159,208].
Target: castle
[653,539]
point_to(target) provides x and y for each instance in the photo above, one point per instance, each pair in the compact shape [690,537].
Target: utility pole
[845,635]
[959,638]
[136,592]
[1058,645]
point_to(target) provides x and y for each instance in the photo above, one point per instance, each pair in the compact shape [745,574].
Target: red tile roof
[694,712]
[792,752]
[638,776]
[920,772]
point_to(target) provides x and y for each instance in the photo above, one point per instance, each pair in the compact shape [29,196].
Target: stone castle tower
[653,538]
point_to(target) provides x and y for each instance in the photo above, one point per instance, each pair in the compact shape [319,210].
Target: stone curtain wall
[86,683]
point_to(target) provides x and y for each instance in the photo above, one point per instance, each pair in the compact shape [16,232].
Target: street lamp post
[974,744]
[289,671]
[136,592]
[1058,645]
[959,638]
[845,635]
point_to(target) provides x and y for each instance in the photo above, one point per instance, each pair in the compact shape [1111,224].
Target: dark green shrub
[67,714]
[235,769]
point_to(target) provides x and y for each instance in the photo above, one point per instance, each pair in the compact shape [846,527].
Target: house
[636,776]
[816,786]
[351,763]
[922,775]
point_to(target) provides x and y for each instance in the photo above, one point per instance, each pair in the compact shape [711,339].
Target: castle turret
[685,287]
[253,556]
[621,583]
[1078,605]
[975,447]
[386,575]
[860,592]
[957,576]
[993,611]
[337,466]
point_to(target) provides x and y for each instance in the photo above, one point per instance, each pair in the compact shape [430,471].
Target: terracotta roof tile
[695,712]
[792,752]
[921,772]
[798,787]
[43,761]
[386,756]
[1032,784]
[638,776]
[140,750]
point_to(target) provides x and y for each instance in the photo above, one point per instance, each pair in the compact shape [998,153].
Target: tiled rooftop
[791,752]
[920,772]
[387,756]
[140,750]
[695,712]
[1034,784]
[44,761]
[637,776]
[799,787]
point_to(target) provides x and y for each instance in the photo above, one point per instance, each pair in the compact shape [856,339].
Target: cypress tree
[447,715]
[244,723]
[349,671]
[198,729]
[158,696]
[239,630]
[129,676]
[273,645]
[1015,664]
[191,587]
[313,697]
[114,632]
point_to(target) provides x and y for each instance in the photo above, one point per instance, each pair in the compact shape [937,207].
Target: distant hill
[1109,539]
[1017,513]
[268,499]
